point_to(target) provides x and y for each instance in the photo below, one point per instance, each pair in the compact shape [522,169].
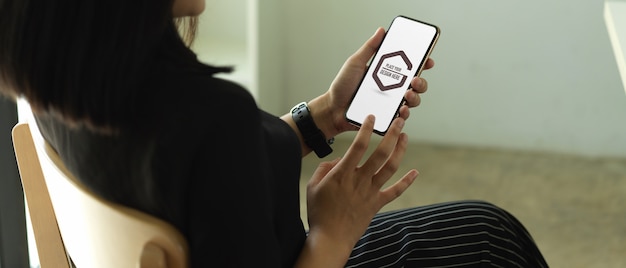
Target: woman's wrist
[324,117]
[321,250]
[322,112]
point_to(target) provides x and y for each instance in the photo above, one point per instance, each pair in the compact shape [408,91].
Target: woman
[140,121]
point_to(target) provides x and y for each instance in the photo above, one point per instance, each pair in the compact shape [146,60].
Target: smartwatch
[313,136]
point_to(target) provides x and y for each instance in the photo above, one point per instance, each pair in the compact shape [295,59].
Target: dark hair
[82,59]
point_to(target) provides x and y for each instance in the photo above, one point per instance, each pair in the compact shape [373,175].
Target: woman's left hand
[335,101]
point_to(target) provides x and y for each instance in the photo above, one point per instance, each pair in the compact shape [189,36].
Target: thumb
[367,50]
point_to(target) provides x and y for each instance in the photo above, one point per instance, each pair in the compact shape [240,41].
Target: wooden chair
[69,220]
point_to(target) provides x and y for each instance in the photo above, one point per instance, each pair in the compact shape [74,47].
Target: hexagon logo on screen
[391,69]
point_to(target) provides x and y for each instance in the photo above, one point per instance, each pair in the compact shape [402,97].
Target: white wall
[246,34]
[224,39]
[531,75]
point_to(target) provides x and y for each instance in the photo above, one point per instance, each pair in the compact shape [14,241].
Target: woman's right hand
[343,196]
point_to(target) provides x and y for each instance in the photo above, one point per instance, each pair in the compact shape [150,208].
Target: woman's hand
[343,196]
[328,110]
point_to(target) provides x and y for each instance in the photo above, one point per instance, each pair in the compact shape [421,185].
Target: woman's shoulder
[207,90]
[196,95]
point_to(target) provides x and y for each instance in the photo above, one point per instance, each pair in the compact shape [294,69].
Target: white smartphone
[401,56]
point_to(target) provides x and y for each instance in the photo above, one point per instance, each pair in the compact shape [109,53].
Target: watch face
[298,107]
[300,112]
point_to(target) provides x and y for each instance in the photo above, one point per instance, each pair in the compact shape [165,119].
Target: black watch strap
[313,136]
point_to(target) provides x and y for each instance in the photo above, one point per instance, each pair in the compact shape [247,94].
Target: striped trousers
[454,234]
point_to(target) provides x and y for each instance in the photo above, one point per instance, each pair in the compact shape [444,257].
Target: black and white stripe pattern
[455,234]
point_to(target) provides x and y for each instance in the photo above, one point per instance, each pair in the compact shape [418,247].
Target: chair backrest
[69,220]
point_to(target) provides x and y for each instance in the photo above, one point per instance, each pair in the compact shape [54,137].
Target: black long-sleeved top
[205,159]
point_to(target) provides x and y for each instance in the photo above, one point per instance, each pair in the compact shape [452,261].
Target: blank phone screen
[402,54]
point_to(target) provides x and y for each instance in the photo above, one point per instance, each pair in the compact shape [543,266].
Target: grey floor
[575,207]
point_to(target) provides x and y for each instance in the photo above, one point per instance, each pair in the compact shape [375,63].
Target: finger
[392,164]
[412,98]
[430,63]
[394,191]
[384,149]
[404,112]
[419,84]
[359,146]
[367,50]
